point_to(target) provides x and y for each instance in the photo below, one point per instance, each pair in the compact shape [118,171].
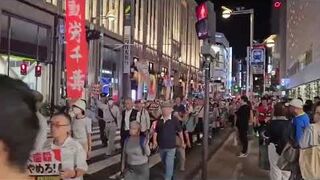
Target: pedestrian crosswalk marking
[153,160]
[103,163]
[95,167]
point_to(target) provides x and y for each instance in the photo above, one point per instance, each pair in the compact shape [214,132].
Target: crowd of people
[146,127]
[290,129]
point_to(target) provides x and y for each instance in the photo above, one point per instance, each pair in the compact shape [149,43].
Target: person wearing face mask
[112,118]
[81,126]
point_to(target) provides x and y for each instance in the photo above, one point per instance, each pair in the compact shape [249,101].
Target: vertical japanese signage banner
[76,49]
[127,36]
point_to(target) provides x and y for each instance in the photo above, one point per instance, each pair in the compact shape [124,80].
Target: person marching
[143,117]
[128,115]
[167,129]
[73,156]
[135,154]
[112,118]
[81,126]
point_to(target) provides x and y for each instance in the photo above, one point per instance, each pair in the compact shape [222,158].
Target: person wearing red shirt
[263,111]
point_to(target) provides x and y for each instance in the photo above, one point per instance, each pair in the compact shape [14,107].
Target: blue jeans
[167,158]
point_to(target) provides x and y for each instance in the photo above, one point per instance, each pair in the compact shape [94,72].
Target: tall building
[164,39]
[300,60]
[222,68]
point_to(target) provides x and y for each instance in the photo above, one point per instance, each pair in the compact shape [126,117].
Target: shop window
[24,41]
[23,38]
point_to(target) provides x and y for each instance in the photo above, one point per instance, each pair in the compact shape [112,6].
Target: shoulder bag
[309,159]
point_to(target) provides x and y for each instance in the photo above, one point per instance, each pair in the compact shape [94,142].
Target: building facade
[300,58]
[165,46]
[221,75]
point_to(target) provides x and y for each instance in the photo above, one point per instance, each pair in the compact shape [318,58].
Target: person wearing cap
[81,125]
[43,131]
[301,120]
[142,117]
[165,136]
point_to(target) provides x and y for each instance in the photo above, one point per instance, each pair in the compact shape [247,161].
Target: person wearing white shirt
[128,115]
[82,126]
[43,131]
[142,117]
[112,118]
[73,156]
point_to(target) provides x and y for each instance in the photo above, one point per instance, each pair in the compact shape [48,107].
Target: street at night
[159,90]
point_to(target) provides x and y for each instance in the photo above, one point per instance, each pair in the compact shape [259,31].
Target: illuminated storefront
[306,91]
[24,41]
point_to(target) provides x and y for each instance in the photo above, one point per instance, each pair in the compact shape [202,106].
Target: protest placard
[45,163]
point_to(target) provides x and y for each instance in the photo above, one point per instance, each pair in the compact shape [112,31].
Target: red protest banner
[76,48]
[45,163]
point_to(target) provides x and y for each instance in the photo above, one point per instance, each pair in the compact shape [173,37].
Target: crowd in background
[288,128]
[289,135]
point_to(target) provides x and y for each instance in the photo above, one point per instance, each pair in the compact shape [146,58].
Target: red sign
[76,48]
[45,163]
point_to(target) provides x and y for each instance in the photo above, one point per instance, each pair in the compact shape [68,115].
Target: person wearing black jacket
[128,115]
[278,132]
[242,122]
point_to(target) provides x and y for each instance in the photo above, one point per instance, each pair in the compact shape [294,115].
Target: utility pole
[205,28]
[207,61]
[127,37]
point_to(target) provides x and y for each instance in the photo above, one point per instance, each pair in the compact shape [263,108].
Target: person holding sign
[19,127]
[73,156]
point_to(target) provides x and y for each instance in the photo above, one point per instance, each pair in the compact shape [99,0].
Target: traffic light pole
[206,119]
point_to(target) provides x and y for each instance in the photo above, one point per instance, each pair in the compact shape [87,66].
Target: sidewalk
[225,165]
[193,159]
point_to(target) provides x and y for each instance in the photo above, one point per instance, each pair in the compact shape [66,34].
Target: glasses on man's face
[57,125]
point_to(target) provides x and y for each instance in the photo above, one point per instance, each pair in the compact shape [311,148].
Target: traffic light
[38,71]
[202,21]
[23,69]
[205,25]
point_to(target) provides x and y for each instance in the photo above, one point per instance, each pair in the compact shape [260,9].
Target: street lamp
[226,13]
[270,43]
